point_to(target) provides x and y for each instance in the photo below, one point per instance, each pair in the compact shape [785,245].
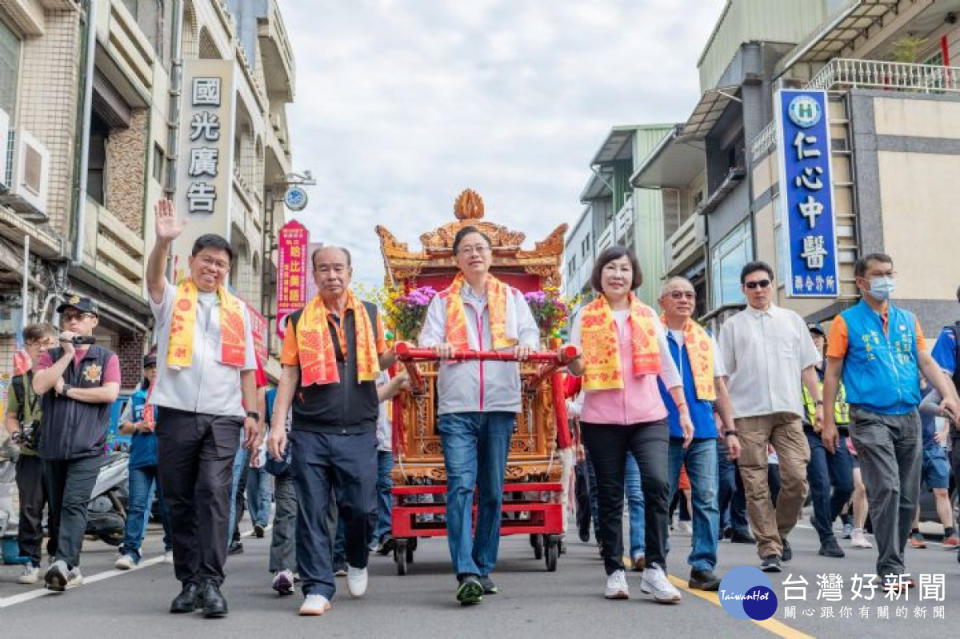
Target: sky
[402,104]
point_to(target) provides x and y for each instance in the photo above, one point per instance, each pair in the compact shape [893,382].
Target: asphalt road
[533,602]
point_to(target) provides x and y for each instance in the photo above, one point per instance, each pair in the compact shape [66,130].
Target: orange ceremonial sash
[700,353]
[600,343]
[456,324]
[318,361]
[184,320]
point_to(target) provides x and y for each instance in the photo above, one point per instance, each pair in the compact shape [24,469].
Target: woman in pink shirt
[623,353]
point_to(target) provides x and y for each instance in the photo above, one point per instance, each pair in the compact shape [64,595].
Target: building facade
[616,213]
[892,110]
[93,119]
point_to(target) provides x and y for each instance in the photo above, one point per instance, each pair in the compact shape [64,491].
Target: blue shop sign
[806,193]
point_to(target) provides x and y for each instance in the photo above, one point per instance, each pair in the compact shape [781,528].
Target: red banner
[258,326]
[292,272]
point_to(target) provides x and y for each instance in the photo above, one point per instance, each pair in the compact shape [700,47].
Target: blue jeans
[634,489]
[240,461]
[475,448]
[259,495]
[823,472]
[142,484]
[701,462]
[733,501]
[384,497]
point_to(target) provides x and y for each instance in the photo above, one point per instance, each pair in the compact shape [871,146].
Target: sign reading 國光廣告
[806,193]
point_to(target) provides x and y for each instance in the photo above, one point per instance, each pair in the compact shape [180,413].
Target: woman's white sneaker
[858,539]
[314,605]
[30,576]
[654,582]
[356,581]
[617,586]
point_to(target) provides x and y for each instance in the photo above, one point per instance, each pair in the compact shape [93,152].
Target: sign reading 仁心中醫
[806,193]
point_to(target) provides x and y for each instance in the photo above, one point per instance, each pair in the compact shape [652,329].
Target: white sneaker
[168,557]
[124,562]
[654,582]
[74,578]
[617,586]
[356,581]
[314,605]
[30,576]
[858,539]
[684,528]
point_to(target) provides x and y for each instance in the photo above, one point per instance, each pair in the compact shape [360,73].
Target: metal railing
[848,73]
[899,76]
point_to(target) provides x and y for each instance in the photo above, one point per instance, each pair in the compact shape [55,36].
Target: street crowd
[738,431]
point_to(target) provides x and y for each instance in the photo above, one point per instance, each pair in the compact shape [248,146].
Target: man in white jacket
[478,402]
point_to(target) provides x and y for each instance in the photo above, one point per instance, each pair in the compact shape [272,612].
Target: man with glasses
[23,423]
[206,371]
[701,366]
[765,350]
[79,382]
[879,351]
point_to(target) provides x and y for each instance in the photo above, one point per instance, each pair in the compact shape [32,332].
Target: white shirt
[207,386]
[669,373]
[764,353]
[384,428]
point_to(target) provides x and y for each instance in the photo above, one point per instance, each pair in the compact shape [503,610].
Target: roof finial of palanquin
[468,205]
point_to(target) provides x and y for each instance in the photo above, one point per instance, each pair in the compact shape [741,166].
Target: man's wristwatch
[819,402]
[729,432]
[254,415]
[64,389]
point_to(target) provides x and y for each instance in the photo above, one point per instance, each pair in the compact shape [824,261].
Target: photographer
[23,424]
[78,381]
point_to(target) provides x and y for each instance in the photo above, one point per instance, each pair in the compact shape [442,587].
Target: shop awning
[711,106]
[673,164]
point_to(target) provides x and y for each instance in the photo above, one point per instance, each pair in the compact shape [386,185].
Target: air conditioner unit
[5,151]
[28,176]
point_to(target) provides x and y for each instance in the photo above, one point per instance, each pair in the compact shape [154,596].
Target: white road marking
[30,595]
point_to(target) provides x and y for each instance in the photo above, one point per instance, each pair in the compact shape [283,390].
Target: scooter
[107,510]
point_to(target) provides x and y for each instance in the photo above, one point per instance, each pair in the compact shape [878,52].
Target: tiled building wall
[130,353]
[49,77]
[126,162]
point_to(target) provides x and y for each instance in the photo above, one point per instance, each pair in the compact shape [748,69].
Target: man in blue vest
[880,352]
[694,350]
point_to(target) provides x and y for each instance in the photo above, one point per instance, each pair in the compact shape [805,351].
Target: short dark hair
[313,256]
[214,241]
[465,231]
[753,267]
[615,253]
[34,332]
[863,263]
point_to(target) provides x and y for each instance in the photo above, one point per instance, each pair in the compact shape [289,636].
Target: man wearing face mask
[879,351]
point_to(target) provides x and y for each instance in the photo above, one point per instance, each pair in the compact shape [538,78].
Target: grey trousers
[69,484]
[891,455]
[283,543]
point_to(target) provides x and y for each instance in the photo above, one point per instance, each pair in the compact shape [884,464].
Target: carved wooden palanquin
[418,448]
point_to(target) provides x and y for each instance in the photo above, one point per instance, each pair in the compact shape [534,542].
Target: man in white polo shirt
[206,371]
[766,350]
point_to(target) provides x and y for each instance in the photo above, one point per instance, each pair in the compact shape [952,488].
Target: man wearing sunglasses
[78,383]
[765,350]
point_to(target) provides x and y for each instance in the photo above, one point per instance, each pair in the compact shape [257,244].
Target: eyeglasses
[683,295]
[75,317]
[214,263]
[478,249]
[757,284]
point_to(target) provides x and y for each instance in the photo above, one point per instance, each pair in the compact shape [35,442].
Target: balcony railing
[685,243]
[898,76]
[847,73]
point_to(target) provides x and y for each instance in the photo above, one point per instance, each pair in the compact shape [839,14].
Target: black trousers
[608,446]
[69,484]
[195,454]
[33,497]
[328,467]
